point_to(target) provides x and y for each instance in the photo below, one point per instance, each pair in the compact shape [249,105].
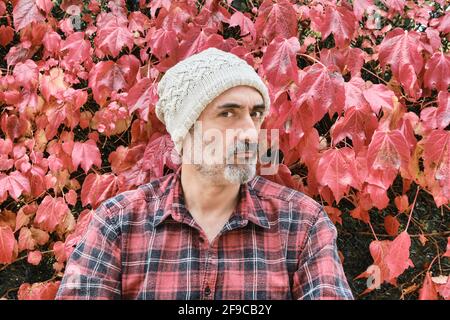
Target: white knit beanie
[189,86]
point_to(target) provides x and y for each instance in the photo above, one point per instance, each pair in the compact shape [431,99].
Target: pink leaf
[16,184]
[7,242]
[26,12]
[86,154]
[34,257]
[50,213]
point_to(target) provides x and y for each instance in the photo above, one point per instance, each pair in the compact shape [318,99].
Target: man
[213,229]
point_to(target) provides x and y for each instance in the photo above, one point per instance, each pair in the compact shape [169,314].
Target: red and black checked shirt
[144,244]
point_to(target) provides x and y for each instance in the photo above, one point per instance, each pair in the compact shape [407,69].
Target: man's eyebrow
[233,105]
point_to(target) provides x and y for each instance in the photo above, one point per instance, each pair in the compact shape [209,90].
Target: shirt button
[207,291]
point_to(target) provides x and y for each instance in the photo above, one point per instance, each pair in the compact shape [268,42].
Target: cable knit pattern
[189,86]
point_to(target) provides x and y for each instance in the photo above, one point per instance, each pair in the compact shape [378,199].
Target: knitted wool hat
[189,86]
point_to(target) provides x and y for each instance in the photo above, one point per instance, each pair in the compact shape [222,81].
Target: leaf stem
[412,208]
[21,258]
[312,59]
[373,232]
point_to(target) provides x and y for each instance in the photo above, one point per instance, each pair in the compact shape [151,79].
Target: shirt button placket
[211,273]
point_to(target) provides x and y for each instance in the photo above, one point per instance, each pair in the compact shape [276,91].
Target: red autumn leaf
[245,24]
[437,159]
[391,225]
[322,90]
[162,42]
[212,15]
[6,35]
[45,5]
[156,4]
[22,219]
[291,120]
[334,214]
[7,243]
[113,34]
[428,290]
[397,260]
[388,150]
[78,49]
[359,6]
[82,222]
[353,92]
[71,197]
[444,23]
[15,184]
[142,96]
[397,5]
[194,41]
[337,20]
[280,60]
[283,176]
[40,236]
[437,71]
[38,291]
[378,96]
[433,118]
[14,126]
[158,153]
[26,240]
[443,110]
[50,213]
[138,22]
[34,257]
[346,59]
[390,257]
[40,105]
[357,124]
[108,76]
[26,74]
[360,214]
[276,19]
[26,12]
[86,154]
[402,50]
[124,158]
[97,188]
[401,202]
[51,84]
[8,219]
[337,170]
[60,252]
[444,289]
[52,42]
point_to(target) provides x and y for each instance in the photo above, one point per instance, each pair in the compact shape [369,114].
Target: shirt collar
[172,204]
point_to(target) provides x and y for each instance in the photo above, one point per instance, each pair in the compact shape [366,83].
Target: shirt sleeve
[93,271]
[320,274]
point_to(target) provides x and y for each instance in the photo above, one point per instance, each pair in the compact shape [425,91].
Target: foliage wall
[359,92]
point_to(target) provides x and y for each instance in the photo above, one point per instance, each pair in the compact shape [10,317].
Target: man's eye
[259,113]
[226,114]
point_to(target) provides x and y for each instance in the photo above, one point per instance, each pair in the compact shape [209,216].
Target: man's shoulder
[144,193]
[291,198]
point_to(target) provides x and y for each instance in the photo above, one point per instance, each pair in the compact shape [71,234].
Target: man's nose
[248,130]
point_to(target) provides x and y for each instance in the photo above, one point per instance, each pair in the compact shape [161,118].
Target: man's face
[227,134]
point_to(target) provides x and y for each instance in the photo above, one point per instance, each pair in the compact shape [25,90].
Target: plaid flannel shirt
[144,244]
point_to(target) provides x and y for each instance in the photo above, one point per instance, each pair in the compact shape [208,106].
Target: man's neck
[207,200]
